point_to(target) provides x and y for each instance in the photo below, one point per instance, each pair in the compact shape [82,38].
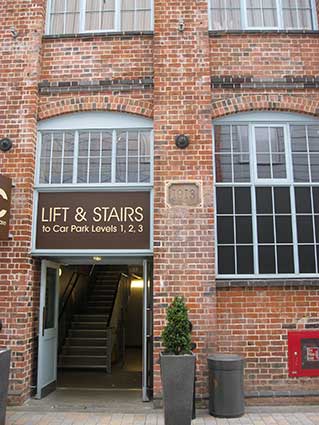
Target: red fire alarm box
[303,353]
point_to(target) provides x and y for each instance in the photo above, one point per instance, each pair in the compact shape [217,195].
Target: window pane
[67,170]
[56,170]
[266,256]
[133,143]
[285,258]
[264,200]
[44,170]
[94,176]
[244,229]
[305,229]
[300,167]
[225,230]
[306,259]
[241,168]
[282,200]
[303,200]
[224,200]
[283,229]
[226,260]
[145,169]
[298,138]
[315,191]
[313,138]
[242,200]
[83,143]
[265,229]
[121,170]
[46,145]
[245,260]
[314,166]
[223,168]
[132,169]
[50,298]
[106,165]
[222,138]
[82,170]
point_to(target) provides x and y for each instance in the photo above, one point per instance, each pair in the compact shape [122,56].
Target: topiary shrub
[176,335]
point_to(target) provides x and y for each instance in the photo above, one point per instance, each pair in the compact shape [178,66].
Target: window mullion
[235,229]
[255,229]
[82,15]
[114,157]
[314,229]
[274,227]
[117,23]
[280,19]
[100,161]
[243,13]
[75,158]
[51,153]
[126,158]
[88,159]
[64,17]
[62,158]
[138,156]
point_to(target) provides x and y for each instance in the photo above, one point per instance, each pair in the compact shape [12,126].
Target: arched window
[95,148]
[267,195]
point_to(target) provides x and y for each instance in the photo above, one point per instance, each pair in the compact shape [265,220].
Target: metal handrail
[70,293]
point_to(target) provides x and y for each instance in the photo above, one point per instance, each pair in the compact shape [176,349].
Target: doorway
[95,327]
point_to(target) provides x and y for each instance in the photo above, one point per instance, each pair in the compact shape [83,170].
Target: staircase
[88,343]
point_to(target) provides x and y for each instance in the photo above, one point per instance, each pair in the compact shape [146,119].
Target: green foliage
[176,335]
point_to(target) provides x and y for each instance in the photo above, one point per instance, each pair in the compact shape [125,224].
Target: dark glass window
[267,198]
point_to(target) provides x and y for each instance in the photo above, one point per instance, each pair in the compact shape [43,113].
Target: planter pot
[4,383]
[177,374]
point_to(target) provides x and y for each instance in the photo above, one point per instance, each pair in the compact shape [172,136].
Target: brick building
[92,96]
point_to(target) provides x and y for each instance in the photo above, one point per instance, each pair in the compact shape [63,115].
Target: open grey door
[148,330]
[48,329]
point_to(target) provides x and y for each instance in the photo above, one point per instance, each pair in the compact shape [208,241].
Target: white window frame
[253,119]
[99,121]
[280,26]
[82,30]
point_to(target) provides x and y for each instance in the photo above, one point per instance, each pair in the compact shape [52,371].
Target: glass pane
[83,143]
[145,144]
[242,200]
[263,167]
[226,260]
[120,170]
[132,169]
[266,256]
[127,21]
[57,145]
[298,138]
[222,138]
[106,166]
[121,144]
[300,167]
[225,230]
[67,170]
[106,144]
[315,191]
[313,138]
[265,229]
[262,140]
[224,200]
[56,170]
[314,166]
[145,173]
[68,144]
[306,259]
[94,176]
[46,145]
[303,200]
[317,229]
[241,168]
[92,21]
[283,229]
[57,5]
[44,170]
[282,200]
[243,229]
[82,170]
[107,21]
[57,24]
[285,259]
[72,23]
[278,166]
[133,143]
[95,144]
[240,139]
[223,167]
[305,229]
[143,20]
[245,260]
[50,298]
[264,200]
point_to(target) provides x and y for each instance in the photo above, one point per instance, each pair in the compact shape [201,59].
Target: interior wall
[134,321]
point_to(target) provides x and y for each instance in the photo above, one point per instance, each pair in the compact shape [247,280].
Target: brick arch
[55,107]
[262,102]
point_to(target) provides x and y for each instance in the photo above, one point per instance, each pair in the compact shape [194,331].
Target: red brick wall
[183,237]
[19,75]
[254,322]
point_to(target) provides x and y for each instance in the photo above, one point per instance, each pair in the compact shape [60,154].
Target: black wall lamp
[182,141]
[5,144]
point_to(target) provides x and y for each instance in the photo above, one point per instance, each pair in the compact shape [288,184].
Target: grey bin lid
[225,362]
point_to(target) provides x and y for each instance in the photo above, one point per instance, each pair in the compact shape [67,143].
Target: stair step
[84,351]
[73,360]
[89,325]
[90,318]
[88,333]
[82,342]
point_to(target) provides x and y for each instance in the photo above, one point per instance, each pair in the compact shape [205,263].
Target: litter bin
[226,385]
[4,381]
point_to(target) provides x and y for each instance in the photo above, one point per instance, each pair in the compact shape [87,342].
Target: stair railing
[68,309]
[115,326]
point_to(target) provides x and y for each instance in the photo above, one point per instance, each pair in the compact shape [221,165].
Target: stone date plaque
[183,194]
